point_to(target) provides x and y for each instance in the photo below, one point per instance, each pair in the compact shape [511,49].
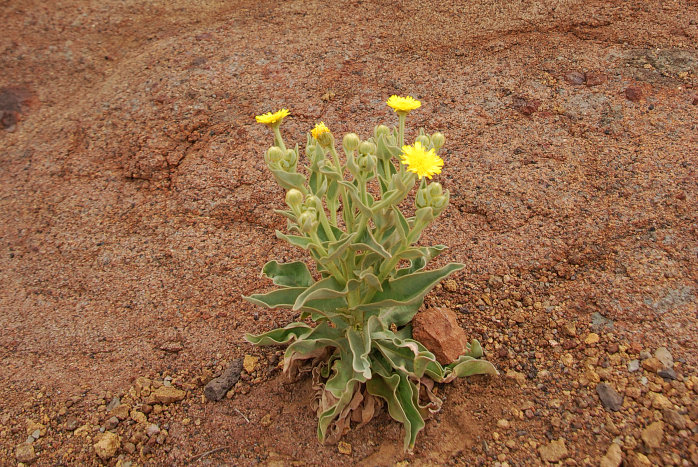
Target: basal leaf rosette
[354,335]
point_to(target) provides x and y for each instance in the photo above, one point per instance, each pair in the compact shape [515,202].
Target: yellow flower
[403,104]
[319,129]
[420,161]
[271,118]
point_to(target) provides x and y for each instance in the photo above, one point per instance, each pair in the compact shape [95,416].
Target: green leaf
[294,274]
[280,335]
[360,346]
[289,180]
[325,289]
[399,314]
[335,250]
[468,366]
[286,298]
[366,241]
[409,290]
[303,242]
[400,395]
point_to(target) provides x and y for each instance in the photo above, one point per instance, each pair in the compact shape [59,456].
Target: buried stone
[217,388]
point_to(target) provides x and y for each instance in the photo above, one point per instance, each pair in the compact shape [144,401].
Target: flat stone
[653,435]
[25,453]
[438,330]
[591,338]
[217,388]
[674,418]
[111,423]
[664,356]
[652,365]
[114,403]
[595,78]
[575,77]
[599,321]
[633,366]
[554,451]
[138,416]
[610,399]
[121,412]
[613,457]
[108,445]
[660,401]
[168,394]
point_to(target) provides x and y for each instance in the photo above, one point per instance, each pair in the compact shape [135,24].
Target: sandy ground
[135,209]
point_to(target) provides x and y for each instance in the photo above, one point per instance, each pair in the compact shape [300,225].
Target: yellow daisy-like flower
[403,104]
[271,118]
[420,161]
[319,129]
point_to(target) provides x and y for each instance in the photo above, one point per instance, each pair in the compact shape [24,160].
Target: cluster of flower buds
[309,218]
[435,141]
[366,161]
[433,196]
[280,159]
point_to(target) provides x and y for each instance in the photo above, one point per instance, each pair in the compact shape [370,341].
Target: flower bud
[313,203]
[350,142]
[438,140]
[382,130]
[294,199]
[424,140]
[367,147]
[432,196]
[435,189]
[289,160]
[274,154]
[366,162]
[308,220]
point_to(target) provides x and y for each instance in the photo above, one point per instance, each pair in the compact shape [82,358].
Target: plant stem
[277,138]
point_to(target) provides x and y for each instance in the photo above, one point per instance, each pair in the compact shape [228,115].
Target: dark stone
[216,389]
[667,373]
[610,399]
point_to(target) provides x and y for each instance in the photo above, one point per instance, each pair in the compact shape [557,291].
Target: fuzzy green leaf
[294,274]
[409,290]
[289,180]
[360,345]
[280,335]
[297,240]
[327,288]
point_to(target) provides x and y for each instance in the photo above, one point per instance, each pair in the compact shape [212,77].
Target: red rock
[438,330]
[633,93]
[594,78]
[575,77]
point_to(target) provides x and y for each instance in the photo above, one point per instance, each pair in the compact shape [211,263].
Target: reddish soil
[135,209]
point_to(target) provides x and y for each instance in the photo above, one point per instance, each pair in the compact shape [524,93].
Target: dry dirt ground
[135,209]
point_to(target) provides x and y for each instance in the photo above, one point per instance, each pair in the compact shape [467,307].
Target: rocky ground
[136,209]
